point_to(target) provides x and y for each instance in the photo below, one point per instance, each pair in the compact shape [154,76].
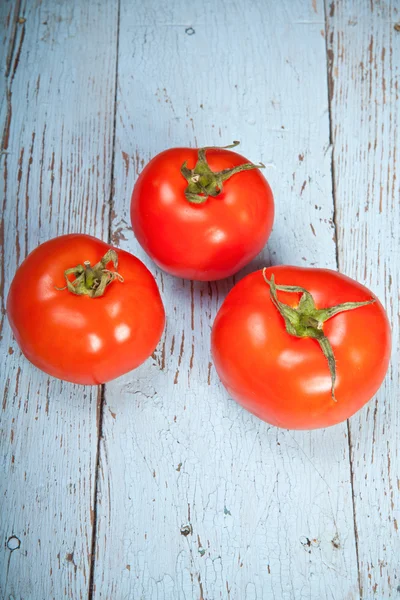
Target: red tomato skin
[77,338]
[206,241]
[285,380]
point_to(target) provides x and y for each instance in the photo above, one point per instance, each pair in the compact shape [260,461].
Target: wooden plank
[197,498]
[364,49]
[57,138]
[9,26]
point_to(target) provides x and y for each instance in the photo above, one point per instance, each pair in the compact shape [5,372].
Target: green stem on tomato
[92,281]
[202,182]
[306,321]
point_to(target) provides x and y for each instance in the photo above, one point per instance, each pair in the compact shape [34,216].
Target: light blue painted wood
[365,55]
[55,178]
[268,513]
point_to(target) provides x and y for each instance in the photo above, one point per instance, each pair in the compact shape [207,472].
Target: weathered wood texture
[58,72]
[364,52]
[197,498]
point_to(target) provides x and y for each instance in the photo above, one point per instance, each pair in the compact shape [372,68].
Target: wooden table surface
[158,485]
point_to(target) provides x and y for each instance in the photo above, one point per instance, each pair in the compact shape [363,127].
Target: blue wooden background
[158,485]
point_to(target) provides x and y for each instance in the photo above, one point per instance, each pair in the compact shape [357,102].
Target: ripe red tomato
[107,323]
[287,380]
[201,214]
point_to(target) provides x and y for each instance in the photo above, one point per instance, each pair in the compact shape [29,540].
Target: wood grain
[364,50]
[197,498]
[57,123]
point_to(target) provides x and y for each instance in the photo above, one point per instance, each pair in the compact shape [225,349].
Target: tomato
[202,214]
[107,322]
[305,357]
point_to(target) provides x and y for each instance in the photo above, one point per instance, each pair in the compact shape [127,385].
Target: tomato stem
[203,182]
[92,281]
[306,321]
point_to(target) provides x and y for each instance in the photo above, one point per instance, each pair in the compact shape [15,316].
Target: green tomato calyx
[92,281]
[202,182]
[306,321]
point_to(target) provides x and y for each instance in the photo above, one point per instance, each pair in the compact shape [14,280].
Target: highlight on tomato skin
[202,214]
[83,311]
[274,337]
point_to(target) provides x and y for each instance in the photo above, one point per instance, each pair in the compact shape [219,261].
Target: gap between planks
[329,66]
[102,388]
